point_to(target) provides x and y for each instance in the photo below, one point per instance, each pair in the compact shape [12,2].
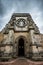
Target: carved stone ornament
[21,22]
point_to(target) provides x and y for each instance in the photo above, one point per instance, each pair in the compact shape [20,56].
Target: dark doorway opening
[21,47]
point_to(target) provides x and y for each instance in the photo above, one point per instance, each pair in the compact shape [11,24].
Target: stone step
[21,61]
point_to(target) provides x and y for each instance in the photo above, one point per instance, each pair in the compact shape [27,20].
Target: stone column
[31,32]
[11,40]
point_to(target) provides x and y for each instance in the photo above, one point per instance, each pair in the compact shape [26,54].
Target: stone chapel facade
[21,38]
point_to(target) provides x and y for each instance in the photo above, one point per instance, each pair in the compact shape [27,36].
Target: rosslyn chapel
[21,38]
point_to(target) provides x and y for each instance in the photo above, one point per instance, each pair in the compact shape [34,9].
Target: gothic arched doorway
[21,47]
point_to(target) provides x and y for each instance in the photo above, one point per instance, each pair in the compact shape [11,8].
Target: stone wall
[1,36]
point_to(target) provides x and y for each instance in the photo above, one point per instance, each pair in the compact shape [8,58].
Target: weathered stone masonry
[21,26]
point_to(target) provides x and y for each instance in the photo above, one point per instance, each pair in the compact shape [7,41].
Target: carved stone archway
[24,42]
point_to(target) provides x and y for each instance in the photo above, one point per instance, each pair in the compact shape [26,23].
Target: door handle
[20,46]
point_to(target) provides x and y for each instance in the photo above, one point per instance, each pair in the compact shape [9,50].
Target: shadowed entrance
[21,47]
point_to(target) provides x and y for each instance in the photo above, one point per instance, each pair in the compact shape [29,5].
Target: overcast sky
[34,7]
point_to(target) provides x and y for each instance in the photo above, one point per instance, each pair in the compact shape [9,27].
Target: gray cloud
[34,7]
